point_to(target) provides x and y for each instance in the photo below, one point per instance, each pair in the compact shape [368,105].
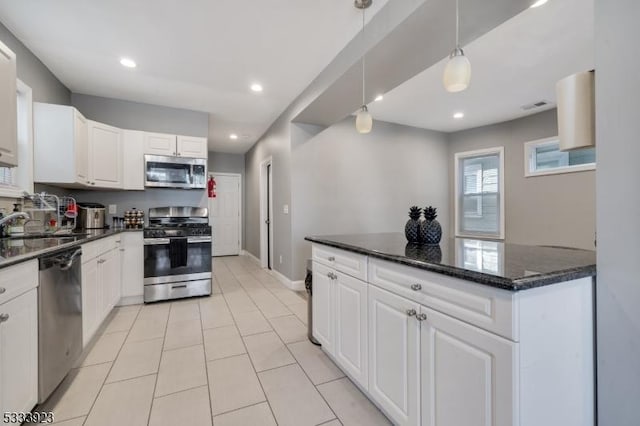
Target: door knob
[267,221]
[421,317]
[4,317]
[2,290]
[411,312]
[416,287]
[331,258]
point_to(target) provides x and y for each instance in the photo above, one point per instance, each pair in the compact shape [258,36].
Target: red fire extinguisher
[211,187]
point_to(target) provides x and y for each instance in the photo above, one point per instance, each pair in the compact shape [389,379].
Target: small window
[543,157]
[479,205]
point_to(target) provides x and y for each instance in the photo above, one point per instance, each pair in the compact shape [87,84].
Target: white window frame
[530,160]
[23,173]
[458,188]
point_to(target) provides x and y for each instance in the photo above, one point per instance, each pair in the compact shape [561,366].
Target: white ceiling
[515,64]
[199,54]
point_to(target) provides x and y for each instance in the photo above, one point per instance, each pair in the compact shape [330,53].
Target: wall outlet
[281,259]
[285,209]
[113,208]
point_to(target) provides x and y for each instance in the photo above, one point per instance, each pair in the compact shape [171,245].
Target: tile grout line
[155,385]
[206,363]
[266,398]
[112,364]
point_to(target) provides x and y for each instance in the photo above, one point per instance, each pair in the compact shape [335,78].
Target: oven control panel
[167,232]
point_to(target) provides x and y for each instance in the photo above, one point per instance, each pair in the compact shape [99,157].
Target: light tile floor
[239,357]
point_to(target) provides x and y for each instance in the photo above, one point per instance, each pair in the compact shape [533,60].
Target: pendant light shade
[364,122]
[457,73]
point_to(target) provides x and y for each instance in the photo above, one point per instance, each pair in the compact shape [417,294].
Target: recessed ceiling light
[379,98]
[256,87]
[233,136]
[538,3]
[126,62]
[458,115]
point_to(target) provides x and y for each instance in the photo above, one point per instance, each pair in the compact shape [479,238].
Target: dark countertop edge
[524,283]
[4,263]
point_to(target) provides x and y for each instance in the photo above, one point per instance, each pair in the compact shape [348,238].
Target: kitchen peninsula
[468,330]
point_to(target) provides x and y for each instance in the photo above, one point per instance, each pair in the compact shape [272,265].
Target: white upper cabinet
[193,147]
[133,159]
[105,154]
[8,108]
[172,145]
[159,144]
[61,146]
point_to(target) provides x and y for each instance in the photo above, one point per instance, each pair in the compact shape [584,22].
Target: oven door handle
[156,241]
[194,240]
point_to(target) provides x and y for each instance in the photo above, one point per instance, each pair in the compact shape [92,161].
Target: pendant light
[364,122]
[457,73]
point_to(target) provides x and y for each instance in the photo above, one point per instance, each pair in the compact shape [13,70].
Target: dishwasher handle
[67,263]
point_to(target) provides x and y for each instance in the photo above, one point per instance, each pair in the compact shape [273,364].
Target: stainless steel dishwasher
[59,318]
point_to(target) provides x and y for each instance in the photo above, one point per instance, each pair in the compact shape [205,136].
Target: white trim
[16,192]
[292,285]
[130,300]
[456,190]
[250,256]
[263,213]
[529,161]
[239,176]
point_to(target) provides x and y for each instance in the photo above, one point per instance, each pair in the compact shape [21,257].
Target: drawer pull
[411,312]
[2,290]
[331,259]
[421,317]
[416,287]
[101,261]
[332,276]
[4,317]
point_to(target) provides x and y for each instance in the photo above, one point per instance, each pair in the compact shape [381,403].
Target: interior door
[225,216]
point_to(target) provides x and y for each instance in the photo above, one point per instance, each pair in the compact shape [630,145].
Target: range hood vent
[576,111]
[535,105]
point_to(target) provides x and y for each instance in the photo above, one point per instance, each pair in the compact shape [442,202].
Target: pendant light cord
[363,60]
[457,26]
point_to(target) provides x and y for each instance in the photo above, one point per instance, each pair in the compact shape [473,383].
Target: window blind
[479,195]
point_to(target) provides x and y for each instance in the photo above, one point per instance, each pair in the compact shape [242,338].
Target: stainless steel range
[177,253]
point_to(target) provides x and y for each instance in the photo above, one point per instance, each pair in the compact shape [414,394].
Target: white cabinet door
[8,108]
[19,353]
[105,153]
[90,300]
[467,374]
[323,308]
[394,352]
[81,147]
[132,253]
[133,160]
[109,281]
[194,147]
[159,144]
[351,327]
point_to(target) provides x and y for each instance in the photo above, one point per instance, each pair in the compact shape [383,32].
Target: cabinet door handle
[4,317]
[93,183]
[331,259]
[411,312]
[416,287]
[101,261]
[121,249]
[2,290]
[421,317]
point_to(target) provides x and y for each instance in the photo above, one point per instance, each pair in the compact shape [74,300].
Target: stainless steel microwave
[175,172]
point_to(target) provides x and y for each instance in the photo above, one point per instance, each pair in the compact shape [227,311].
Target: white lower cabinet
[468,374]
[101,289]
[19,353]
[132,274]
[351,346]
[323,307]
[394,355]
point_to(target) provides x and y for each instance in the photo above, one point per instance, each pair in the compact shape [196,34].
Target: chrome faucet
[13,216]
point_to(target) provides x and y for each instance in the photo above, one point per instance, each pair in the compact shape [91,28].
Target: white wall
[345,183]
[618,211]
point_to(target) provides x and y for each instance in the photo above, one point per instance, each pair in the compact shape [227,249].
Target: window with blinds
[6,176]
[479,200]
[543,157]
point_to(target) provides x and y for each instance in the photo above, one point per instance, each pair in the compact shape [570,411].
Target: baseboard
[130,300]
[250,256]
[292,285]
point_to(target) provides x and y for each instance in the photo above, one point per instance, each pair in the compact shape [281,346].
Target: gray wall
[152,118]
[555,209]
[230,163]
[344,182]
[618,211]
[46,87]
[139,116]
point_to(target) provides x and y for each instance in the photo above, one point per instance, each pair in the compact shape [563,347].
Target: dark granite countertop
[507,266]
[16,250]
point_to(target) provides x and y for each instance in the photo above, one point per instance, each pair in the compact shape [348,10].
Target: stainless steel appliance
[175,172]
[90,216]
[59,318]
[177,253]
